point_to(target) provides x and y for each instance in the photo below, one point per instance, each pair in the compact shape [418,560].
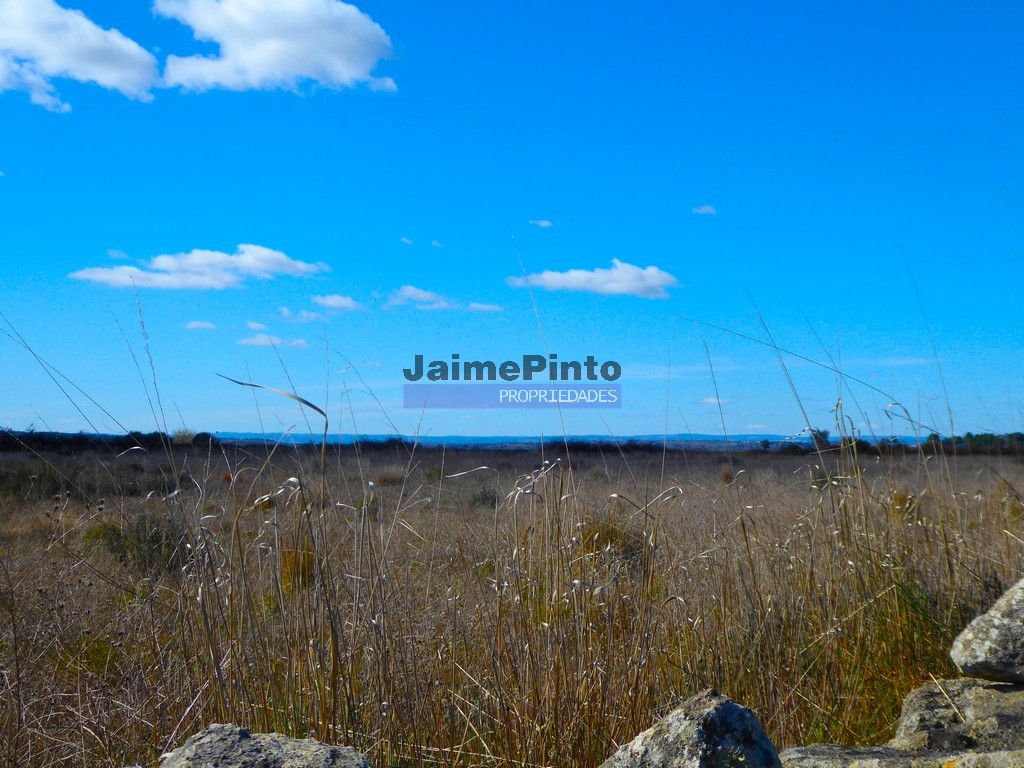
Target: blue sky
[307,194]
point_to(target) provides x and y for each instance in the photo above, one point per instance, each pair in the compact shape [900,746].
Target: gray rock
[1013,759]
[992,646]
[228,746]
[709,730]
[944,724]
[966,714]
[831,756]
[834,756]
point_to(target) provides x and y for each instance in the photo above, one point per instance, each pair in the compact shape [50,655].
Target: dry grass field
[480,607]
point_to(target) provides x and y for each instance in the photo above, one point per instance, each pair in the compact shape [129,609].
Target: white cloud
[268,44]
[405,241]
[714,401]
[621,280]
[705,210]
[40,41]
[336,301]
[419,298]
[263,340]
[117,253]
[302,316]
[542,223]
[201,269]
[199,325]
[412,293]
[254,326]
[436,243]
[428,300]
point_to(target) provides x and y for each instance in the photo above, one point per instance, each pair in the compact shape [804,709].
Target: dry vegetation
[526,613]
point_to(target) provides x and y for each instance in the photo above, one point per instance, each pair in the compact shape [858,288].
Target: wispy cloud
[714,401]
[302,316]
[436,243]
[428,300]
[337,301]
[199,325]
[202,270]
[40,41]
[405,241]
[621,280]
[264,340]
[252,325]
[542,223]
[117,253]
[410,294]
[705,210]
[267,44]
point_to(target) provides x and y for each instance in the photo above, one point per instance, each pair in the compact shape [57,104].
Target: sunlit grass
[525,613]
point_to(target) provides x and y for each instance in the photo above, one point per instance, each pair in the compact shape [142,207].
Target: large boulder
[992,646]
[946,724]
[228,746]
[962,714]
[709,730]
[832,756]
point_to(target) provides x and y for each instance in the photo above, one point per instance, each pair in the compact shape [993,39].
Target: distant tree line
[12,441]
[969,444]
[980,444]
[984,444]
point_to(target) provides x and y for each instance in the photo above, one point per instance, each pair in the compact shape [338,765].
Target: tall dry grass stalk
[522,614]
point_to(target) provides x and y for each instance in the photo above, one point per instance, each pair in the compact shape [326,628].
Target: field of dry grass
[480,608]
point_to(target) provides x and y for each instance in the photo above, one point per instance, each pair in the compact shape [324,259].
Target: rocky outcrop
[975,722]
[831,756]
[944,724]
[708,730]
[228,746]
[952,715]
[992,646]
